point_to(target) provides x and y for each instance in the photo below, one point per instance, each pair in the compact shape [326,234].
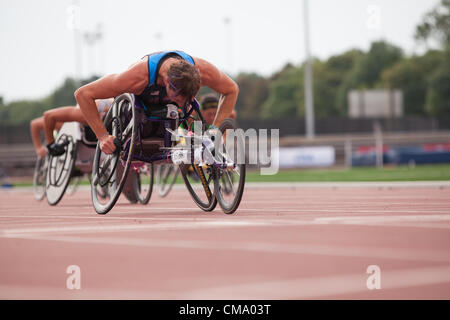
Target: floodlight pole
[227,21]
[77,39]
[91,39]
[309,98]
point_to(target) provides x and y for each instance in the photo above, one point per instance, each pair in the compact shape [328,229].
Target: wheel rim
[60,169]
[39,177]
[229,182]
[201,190]
[120,122]
[144,183]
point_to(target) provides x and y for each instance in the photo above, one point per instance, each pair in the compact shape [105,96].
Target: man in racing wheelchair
[158,79]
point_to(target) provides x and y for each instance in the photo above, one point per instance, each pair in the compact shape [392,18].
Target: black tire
[60,168]
[120,121]
[143,189]
[39,178]
[129,188]
[228,194]
[200,189]
[166,175]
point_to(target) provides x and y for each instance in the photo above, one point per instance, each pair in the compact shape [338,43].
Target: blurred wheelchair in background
[55,176]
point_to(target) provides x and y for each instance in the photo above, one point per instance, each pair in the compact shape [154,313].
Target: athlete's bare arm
[36,126]
[60,115]
[134,80]
[221,83]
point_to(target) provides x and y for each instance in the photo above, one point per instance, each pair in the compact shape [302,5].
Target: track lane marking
[308,288]
[267,247]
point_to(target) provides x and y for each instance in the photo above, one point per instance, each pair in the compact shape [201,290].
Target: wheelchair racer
[209,104]
[157,79]
[54,119]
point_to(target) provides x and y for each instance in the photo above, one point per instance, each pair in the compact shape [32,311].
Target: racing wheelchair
[55,176]
[152,136]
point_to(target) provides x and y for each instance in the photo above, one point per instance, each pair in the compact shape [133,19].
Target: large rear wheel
[60,168]
[120,121]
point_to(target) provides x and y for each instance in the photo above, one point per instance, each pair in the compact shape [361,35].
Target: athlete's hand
[41,151]
[107,144]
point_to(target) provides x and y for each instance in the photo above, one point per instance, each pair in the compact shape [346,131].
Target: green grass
[399,173]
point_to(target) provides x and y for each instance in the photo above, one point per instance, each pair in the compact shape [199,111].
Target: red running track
[286,242]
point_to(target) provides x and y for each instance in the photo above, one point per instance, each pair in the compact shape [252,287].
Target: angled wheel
[144,182]
[120,121]
[230,181]
[39,177]
[200,183]
[60,168]
[166,174]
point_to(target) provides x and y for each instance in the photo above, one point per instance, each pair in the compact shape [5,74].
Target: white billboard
[304,157]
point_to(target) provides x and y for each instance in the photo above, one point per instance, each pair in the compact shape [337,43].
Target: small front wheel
[39,177]
[144,182]
[230,180]
[166,175]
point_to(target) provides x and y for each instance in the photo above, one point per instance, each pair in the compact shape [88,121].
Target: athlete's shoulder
[208,71]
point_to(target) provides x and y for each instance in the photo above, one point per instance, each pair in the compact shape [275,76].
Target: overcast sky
[38,46]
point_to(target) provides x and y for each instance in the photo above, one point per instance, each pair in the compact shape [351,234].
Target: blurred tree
[253,91]
[412,76]
[23,111]
[438,93]
[63,95]
[3,112]
[367,70]
[285,92]
[436,25]
[329,78]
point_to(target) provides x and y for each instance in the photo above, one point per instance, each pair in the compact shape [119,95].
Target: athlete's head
[183,82]
[209,104]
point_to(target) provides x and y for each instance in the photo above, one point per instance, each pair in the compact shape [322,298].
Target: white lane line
[267,247]
[280,209]
[304,288]
[194,223]
[38,292]
[368,220]
[140,227]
